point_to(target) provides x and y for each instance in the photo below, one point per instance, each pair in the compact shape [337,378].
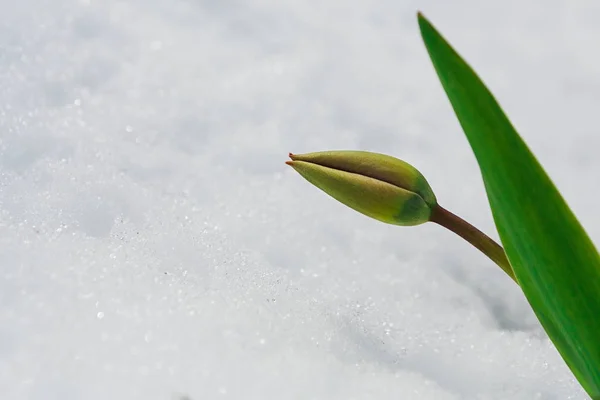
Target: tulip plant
[546,251]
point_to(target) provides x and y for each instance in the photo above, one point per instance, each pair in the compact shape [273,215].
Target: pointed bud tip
[290,163]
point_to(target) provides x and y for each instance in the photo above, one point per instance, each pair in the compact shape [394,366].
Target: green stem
[474,236]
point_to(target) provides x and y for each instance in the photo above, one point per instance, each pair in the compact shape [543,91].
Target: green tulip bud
[379,186]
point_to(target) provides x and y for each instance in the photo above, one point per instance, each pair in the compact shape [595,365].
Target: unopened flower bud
[376,185]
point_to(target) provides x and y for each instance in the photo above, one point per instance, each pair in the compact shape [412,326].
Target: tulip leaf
[555,262]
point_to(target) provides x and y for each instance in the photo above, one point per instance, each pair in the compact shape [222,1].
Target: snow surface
[153,244]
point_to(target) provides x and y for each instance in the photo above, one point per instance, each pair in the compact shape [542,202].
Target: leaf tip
[422,20]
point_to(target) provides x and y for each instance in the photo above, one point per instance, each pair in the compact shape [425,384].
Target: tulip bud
[376,185]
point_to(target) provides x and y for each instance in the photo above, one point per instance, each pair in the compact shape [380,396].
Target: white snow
[154,245]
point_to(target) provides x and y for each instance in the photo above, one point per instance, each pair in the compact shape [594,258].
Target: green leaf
[555,262]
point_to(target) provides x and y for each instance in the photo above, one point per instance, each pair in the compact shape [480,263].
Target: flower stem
[474,236]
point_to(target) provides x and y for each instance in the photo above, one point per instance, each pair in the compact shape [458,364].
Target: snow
[154,245]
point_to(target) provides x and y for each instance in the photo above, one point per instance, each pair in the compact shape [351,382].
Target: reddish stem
[474,236]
